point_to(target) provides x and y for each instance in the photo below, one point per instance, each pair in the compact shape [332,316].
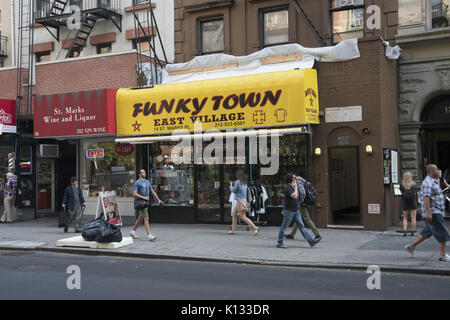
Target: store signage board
[8,116]
[274,99]
[98,153]
[107,205]
[344,114]
[75,114]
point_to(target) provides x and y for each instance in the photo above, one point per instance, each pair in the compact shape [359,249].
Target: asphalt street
[40,275]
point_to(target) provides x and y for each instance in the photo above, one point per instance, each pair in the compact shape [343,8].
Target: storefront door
[45,184]
[344,184]
[209,190]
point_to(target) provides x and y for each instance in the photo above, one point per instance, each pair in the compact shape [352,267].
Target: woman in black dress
[409,202]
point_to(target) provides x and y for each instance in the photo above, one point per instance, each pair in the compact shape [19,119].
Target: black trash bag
[109,233]
[91,230]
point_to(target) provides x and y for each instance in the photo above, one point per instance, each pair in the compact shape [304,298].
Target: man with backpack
[307,196]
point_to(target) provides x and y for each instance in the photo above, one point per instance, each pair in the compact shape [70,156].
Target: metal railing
[3,46]
[44,8]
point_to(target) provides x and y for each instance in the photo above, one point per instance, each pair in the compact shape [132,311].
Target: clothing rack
[258,221]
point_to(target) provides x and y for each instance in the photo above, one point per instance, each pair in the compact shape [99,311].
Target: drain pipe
[13,31]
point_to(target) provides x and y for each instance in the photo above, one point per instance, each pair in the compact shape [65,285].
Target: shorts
[143,212]
[241,205]
[436,228]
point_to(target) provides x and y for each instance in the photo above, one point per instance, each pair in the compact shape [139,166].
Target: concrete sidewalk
[338,248]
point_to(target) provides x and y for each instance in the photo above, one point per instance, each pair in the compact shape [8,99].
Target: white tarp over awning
[251,64]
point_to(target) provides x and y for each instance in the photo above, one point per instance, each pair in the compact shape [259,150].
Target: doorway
[344,186]
[46,185]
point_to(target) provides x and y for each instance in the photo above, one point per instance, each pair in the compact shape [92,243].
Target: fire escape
[301,12]
[57,14]
[149,65]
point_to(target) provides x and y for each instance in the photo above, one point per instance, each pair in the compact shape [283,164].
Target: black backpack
[311,194]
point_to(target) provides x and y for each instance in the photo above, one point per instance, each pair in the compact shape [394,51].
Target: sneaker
[318,238]
[152,239]
[444,258]
[312,244]
[410,250]
[257,231]
[282,246]
[133,235]
[288,236]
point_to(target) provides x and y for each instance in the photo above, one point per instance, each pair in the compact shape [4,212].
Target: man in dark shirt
[291,212]
[74,201]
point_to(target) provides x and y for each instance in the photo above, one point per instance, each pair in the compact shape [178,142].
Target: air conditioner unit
[49,151]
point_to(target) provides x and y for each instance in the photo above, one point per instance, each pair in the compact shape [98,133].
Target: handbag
[63,218]
[141,204]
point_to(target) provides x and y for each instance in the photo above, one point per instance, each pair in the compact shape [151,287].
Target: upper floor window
[440,13]
[347,19]
[430,14]
[43,56]
[274,26]
[104,48]
[211,37]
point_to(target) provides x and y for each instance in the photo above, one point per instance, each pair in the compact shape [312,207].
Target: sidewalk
[338,248]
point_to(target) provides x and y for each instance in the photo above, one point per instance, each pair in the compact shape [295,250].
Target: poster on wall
[394,166]
[107,205]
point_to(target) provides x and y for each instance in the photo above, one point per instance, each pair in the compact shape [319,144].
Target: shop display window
[293,155]
[108,166]
[174,183]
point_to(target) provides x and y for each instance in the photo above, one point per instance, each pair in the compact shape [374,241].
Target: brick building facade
[369,82]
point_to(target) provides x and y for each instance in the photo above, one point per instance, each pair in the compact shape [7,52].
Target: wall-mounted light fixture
[369,150]
[366,131]
[317,152]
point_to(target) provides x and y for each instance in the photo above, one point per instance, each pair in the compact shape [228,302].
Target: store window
[292,159]
[173,182]
[4,151]
[347,19]
[212,39]
[275,26]
[108,166]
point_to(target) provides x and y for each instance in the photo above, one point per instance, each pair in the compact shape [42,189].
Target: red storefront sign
[8,115]
[123,149]
[87,113]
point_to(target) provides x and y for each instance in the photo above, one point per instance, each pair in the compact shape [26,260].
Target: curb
[149,256]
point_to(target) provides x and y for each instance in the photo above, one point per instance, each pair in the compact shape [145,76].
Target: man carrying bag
[141,192]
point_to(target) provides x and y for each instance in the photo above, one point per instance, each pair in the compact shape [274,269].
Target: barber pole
[11,161]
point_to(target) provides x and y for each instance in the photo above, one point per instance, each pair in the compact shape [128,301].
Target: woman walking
[239,188]
[409,202]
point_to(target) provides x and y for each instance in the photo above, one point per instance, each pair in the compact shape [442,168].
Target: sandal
[231,232]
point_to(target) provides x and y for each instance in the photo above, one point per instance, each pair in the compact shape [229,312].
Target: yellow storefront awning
[269,100]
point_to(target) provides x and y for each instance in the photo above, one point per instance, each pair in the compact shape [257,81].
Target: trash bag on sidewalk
[91,230]
[109,233]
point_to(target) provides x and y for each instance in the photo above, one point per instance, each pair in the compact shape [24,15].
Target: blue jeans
[288,217]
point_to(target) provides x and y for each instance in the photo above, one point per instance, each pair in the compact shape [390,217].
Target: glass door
[208,193]
[45,182]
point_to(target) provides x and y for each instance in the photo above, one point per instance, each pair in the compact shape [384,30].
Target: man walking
[141,191]
[10,198]
[291,211]
[433,207]
[73,200]
[303,211]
